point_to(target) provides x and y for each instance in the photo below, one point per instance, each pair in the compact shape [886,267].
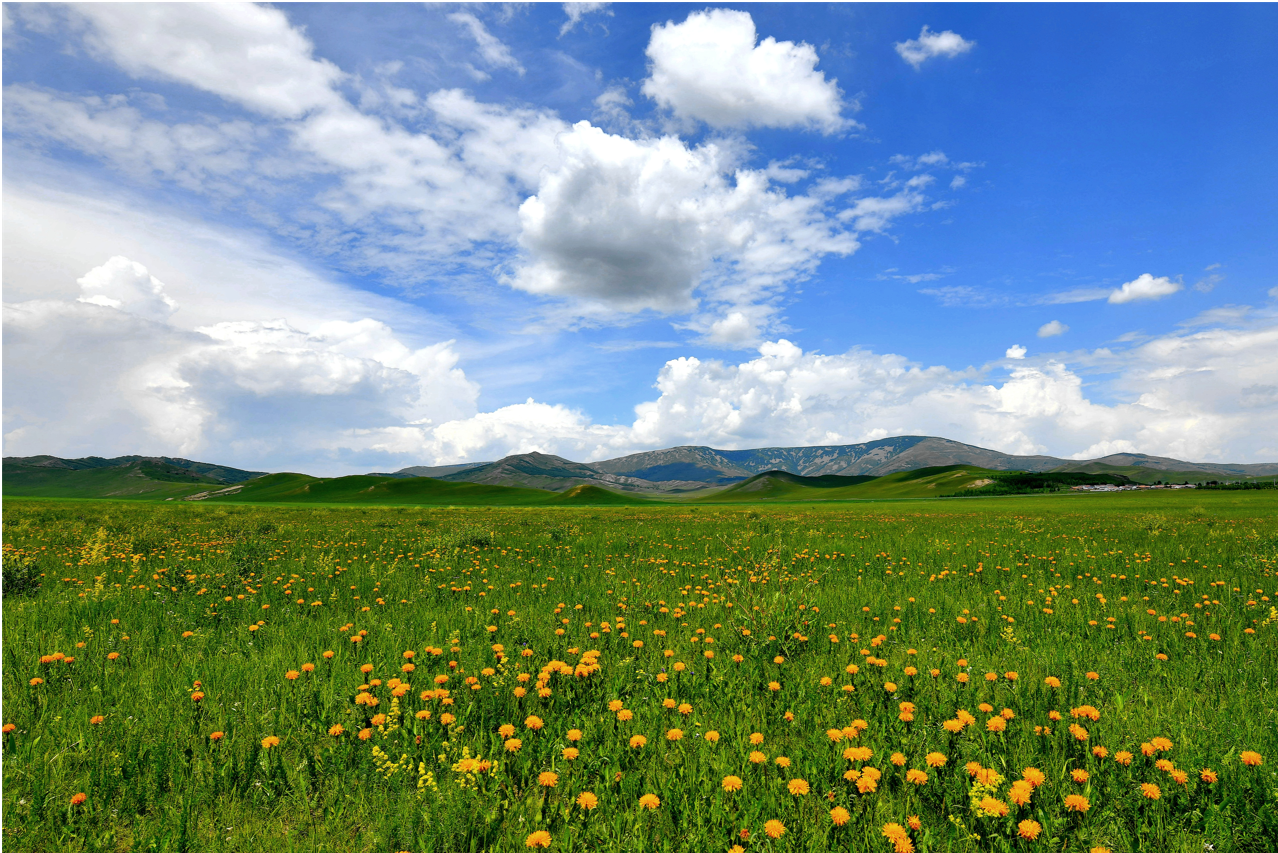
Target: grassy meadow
[1076,672]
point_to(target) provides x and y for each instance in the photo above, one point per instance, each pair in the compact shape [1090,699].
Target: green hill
[585,495]
[363,488]
[145,479]
[784,486]
[1148,476]
[921,483]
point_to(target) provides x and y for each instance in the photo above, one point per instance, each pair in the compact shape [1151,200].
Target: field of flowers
[1074,673]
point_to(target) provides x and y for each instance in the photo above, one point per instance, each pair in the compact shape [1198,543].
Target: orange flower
[1092,676]
[774,829]
[540,838]
[674,734]
[898,759]
[574,735]
[712,737]
[570,753]
[936,759]
[270,741]
[732,783]
[894,832]
[1208,775]
[638,742]
[757,757]
[292,675]
[96,719]
[337,730]
[506,730]
[513,744]
[993,807]
[78,799]
[1020,792]
[216,736]
[1251,759]
[1077,803]
[1029,829]
[1052,681]
[587,800]
[197,697]
[995,724]
[1123,757]
[8,727]
[916,777]
[534,723]
[365,734]
[1150,791]
[798,787]
[1080,775]
[548,779]
[650,802]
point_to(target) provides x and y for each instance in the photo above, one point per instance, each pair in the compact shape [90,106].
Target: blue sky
[333,238]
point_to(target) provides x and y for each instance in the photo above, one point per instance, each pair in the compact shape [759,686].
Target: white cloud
[577,11]
[215,274]
[1144,286]
[1078,294]
[246,53]
[957,182]
[1015,351]
[211,155]
[1052,329]
[712,68]
[494,52]
[642,224]
[1221,315]
[930,44]
[108,375]
[347,391]
[402,197]
[126,285]
[1205,396]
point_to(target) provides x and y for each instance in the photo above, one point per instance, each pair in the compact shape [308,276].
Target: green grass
[237,596]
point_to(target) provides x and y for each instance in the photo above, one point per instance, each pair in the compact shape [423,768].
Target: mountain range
[684,469]
[679,472]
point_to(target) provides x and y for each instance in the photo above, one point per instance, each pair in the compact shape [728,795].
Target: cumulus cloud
[641,224]
[107,374]
[494,52]
[608,222]
[713,68]
[83,377]
[1201,396]
[930,44]
[1052,329]
[1144,286]
[129,286]
[1015,351]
